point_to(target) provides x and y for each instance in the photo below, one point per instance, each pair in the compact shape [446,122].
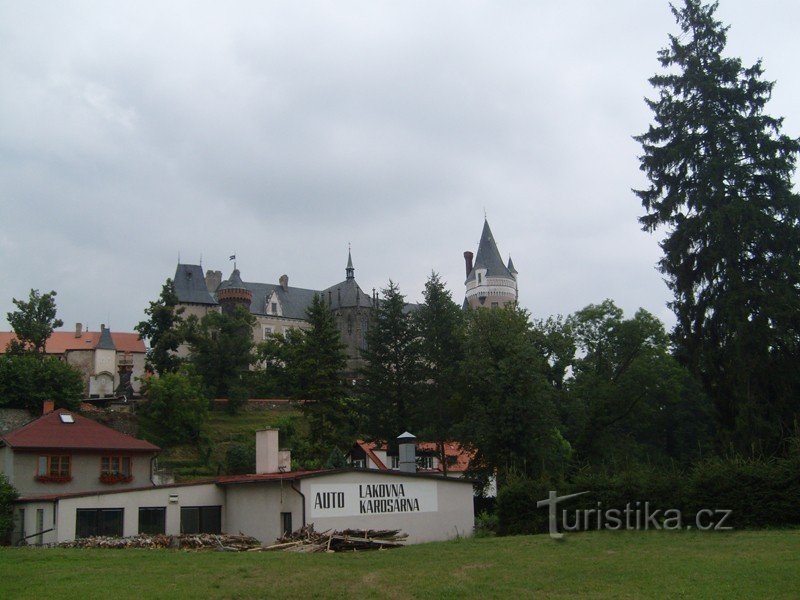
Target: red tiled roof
[451,450]
[50,432]
[368,448]
[63,341]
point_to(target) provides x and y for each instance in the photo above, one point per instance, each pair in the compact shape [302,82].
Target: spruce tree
[319,377]
[388,404]
[440,323]
[720,185]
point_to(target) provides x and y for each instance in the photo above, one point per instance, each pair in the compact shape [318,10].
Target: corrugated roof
[63,341]
[50,432]
[190,285]
[488,256]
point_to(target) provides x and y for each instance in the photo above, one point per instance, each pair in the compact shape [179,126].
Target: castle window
[350,325]
[480,278]
[274,308]
[495,304]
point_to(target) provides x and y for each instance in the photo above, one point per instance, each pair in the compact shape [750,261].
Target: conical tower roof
[488,256]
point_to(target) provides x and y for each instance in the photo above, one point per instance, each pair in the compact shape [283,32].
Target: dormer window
[480,278]
[274,308]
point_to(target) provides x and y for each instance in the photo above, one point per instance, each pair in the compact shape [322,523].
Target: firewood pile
[188,541]
[308,540]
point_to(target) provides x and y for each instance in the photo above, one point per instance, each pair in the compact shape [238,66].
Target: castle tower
[352,310]
[232,293]
[489,283]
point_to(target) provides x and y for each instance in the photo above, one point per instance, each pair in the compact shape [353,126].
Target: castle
[279,307]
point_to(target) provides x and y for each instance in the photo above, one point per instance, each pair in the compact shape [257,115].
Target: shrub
[7,496]
[240,459]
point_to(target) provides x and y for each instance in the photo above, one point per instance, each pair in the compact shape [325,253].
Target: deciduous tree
[33,322]
[163,330]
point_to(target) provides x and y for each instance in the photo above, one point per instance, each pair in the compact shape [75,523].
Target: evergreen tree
[163,331]
[440,323]
[319,377]
[391,380]
[33,322]
[720,183]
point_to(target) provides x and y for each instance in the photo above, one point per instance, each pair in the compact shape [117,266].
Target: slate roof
[488,257]
[64,341]
[50,432]
[346,294]
[190,285]
[106,342]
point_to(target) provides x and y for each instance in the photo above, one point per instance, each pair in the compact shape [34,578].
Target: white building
[263,505]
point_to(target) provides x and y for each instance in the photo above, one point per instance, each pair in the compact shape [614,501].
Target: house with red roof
[371,455]
[64,452]
[112,363]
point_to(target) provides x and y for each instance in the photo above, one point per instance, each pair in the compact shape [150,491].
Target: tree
[163,331]
[221,349]
[720,184]
[27,380]
[320,377]
[440,323]
[628,397]
[510,421]
[391,379]
[175,409]
[8,494]
[33,322]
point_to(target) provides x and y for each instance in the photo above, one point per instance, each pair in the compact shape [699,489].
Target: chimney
[284,460]
[468,260]
[78,330]
[267,452]
[284,281]
[213,279]
[407,446]
[48,406]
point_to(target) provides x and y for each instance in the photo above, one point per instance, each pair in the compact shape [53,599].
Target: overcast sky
[132,134]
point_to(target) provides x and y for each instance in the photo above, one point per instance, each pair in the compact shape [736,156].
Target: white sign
[374,498]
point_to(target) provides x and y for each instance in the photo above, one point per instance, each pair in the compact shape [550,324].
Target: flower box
[53,478]
[112,478]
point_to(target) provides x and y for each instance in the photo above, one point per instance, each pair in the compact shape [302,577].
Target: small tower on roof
[232,293]
[490,283]
[350,271]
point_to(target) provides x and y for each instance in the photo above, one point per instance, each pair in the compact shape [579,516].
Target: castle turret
[489,283]
[232,293]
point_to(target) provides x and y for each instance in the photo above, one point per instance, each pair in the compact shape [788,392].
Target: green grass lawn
[688,564]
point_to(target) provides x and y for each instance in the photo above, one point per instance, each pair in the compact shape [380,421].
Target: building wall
[256,508]
[189,495]
[85,469]
[452,514]
[26,523]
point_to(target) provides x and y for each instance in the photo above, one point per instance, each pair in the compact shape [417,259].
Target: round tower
[232,293]
[489,283]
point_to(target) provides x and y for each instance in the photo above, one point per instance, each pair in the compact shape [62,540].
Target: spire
[488,256]
[349,270]
[510,267]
